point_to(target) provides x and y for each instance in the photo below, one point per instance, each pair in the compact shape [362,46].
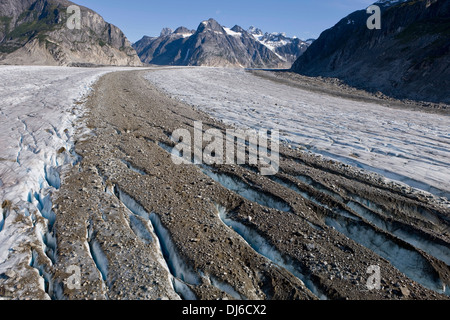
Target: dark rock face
[408,58]
[210,45]
[36,32]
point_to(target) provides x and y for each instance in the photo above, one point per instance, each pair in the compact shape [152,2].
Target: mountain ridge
[407,59]
[212,44]
[34,32]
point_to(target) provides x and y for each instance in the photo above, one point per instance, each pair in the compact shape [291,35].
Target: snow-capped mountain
[287,48]
[215,45]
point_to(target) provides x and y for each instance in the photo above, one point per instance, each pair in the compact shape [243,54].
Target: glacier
[39,113]
[407,146]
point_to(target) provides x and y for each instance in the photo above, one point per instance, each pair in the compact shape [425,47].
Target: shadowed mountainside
[408,58]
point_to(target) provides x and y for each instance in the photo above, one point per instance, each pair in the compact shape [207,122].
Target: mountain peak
[215,45]
[166,32]
[237,28]
[255,31]
[183,30]
[211,25]
[408,60]
[34,32]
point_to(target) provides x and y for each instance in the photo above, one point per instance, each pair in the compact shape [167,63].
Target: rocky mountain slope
[408,58]
[214,45]
[290,49]
[35,32]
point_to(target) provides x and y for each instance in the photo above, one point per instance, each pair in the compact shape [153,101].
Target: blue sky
[301,18]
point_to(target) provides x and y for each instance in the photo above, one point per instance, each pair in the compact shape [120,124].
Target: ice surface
[232,33]
[403,145]
[260,245]
[243,189]
[38,110]
[178,267]
[99,258]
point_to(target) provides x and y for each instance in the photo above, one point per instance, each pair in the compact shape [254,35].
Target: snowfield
[402,145]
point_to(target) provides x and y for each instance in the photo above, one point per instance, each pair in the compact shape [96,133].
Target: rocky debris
[405,292]
[140,227]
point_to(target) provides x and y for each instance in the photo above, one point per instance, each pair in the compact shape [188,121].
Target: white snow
[403,145]
[187,55]
[232,33]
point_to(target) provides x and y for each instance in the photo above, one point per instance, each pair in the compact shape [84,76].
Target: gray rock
[35,32]
[213,45]
[405,292]
[407,59]
[166,32]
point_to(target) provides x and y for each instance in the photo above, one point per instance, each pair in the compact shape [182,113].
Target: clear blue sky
[301,18]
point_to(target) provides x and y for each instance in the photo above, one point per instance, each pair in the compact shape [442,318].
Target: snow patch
[232,33]
[187,55]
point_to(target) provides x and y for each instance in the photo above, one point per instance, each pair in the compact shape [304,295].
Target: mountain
[215,45]
[287,48]
[35,32]
[165,49]
[408,58]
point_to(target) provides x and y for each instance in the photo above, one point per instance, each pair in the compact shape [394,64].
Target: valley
[139,226]
[224,164]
